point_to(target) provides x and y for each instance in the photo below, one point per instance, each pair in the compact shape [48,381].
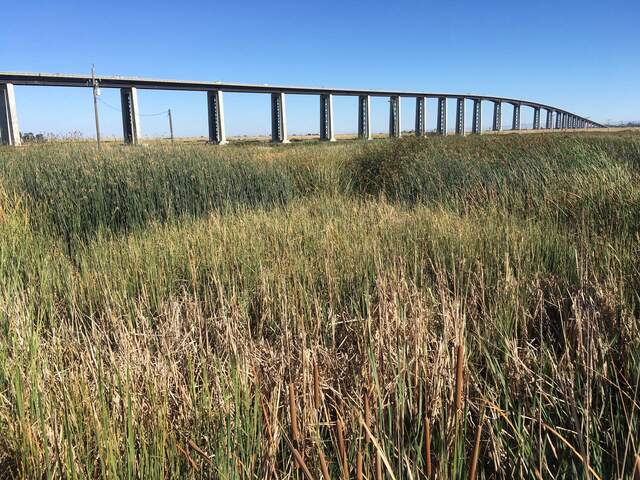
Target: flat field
[442,307]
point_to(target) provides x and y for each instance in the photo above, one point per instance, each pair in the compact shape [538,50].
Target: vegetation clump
[435,307]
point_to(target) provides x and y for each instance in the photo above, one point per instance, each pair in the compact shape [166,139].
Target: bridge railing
[556,118]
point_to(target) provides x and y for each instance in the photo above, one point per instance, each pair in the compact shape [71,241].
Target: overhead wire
[164,112]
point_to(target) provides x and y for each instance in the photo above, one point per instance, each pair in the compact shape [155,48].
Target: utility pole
[170,125]
[96,94]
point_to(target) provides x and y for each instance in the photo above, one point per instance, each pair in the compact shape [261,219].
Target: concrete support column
[565,120]
[364,124]
[442,116]
[326,118]
[394,116]
[278,119]
[420,116]
[9,130]
[130,115]
[476,126]
[460,116]
[515,125]
[558,120]
[549,122]
[215,114]
[497,116]
[536,118]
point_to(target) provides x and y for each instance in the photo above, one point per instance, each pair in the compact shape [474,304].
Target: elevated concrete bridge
[556,118]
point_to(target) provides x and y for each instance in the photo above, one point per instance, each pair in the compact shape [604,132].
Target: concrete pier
[278,119]
[460,116]
[476,125]
[326,118]
[9,129]
[558,120]
[130,115]
[394,117]
[497,116]
[549,122]
[364,117]
[442,116]
[215,115]
[536,118]
[515,125]
[420,116]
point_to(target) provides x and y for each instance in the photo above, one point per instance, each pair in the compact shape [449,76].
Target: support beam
[420,116]
[442,116]
[565,121]
[9,130]
[476,126]
[497,116]
[558,120]
[278,119]
[215,114]
[394,116]
[364,124]
[326,118]
[536,118]
[130,115]
[549,122]
[515,125]
[460,116]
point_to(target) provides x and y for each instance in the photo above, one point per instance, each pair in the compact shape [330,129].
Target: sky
[582,56]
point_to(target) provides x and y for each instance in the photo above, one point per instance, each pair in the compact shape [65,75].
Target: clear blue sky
[580,55]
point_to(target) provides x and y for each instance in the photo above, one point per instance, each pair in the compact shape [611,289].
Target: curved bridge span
[555,118]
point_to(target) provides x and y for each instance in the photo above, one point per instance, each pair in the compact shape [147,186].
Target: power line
[109,105]
[118,109]
[157,114]
[164,112]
